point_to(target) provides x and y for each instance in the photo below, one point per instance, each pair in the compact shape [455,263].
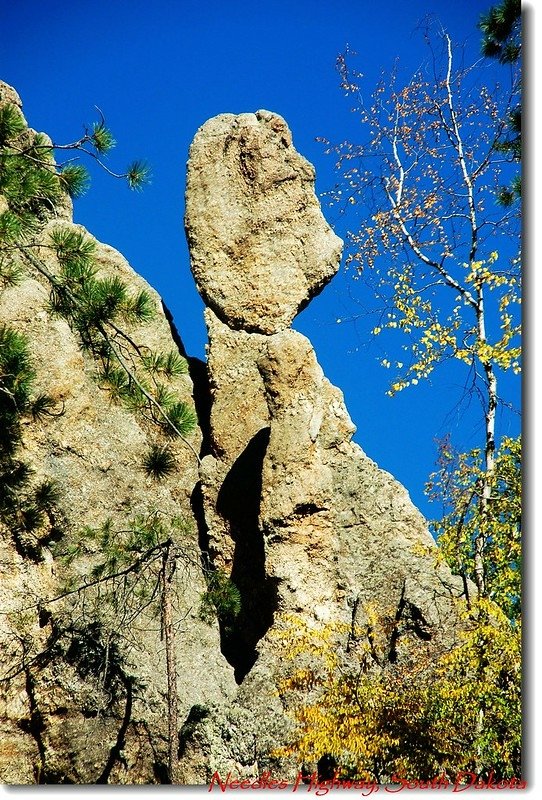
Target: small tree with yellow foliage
[439,251]
[431,239]
[417,718]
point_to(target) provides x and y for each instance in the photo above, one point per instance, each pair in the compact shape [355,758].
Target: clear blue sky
[158,71]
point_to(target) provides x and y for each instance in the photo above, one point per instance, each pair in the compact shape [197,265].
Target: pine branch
[37,264]
[156,551]
[142,389]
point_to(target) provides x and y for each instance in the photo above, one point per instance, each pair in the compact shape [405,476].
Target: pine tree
[99,308]
[501,28]
[137,567]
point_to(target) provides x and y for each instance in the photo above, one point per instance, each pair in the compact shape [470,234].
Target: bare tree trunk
[168,632]
[489,456]
[487,483]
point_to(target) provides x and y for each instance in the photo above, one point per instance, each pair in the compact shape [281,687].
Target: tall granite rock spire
[300,517]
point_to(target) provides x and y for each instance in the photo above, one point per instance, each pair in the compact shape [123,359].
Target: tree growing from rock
[135,568]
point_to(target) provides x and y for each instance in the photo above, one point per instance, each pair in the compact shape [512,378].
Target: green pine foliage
[179,419]
[140,568]
[12,123]
[138,175]
[170,364]
[33,182]
[74,179]
[221,600]
[16,371]
[102,138]
[99,308]
[24,507]
[127,564]
[159,462]
[30,185]
[501,29]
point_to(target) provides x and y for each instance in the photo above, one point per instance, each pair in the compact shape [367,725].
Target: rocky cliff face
[64,716]
[281,498]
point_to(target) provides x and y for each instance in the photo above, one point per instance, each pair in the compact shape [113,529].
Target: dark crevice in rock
[394,638]
[412,619]
[197,370]
[160,772]
[36,727]
[239,504]
[44,616]
[27,548]
[196,503]
[146,736]
[202,400]
[327,767]
[307,509]
[196,715]
[418,623]
[115,754]
[175,335]
[352,635]
[247,162]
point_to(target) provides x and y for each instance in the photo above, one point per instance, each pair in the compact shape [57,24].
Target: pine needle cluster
[98,307]
[26,508]
[221,600]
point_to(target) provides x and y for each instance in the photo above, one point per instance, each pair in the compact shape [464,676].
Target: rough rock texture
[305,523]
[259,245]
[282,499]
[56,724]
[94,452]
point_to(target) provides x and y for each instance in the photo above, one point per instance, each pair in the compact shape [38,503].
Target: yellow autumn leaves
[460,333]
[418,717]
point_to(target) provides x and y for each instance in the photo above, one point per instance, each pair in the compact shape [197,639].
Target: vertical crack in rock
[116,751]
[197,370]
[36,726]
[238,503]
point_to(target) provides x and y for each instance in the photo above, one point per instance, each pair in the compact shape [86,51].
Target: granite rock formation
[282,499]
[259,245]
[58,720]
[304,522]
